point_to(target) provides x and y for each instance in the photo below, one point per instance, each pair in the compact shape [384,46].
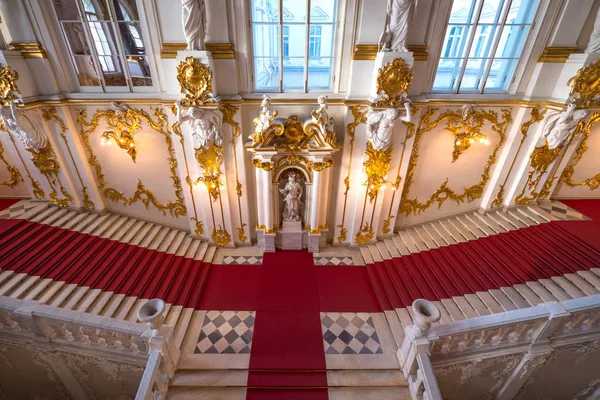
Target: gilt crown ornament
[8,86]
[195,79]
[585,86]
[393,82]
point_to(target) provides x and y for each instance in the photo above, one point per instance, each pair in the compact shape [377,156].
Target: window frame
[496,30]
[281,24]
[110,20]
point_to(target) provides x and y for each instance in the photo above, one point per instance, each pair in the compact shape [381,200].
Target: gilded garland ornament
[376,168]
[221,237]
[592,182]
[199,226]
[539,161]
[585,86]
[386,225]
[159,125]
[364,235]
[15,174]
[210,160]
[195,80]
[393,83]
[471,193]
[267,166]
[8,86]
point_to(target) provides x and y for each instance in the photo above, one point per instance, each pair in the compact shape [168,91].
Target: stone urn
[425,313]
[152,312]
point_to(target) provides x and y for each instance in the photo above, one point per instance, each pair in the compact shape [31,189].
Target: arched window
[483,43]
[301,57]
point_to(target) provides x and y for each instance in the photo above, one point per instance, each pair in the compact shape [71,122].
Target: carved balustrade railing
[522,331]
[30,320]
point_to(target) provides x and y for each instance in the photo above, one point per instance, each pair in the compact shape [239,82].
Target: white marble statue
[321,116]
[594,42]
[292,192]
[206,125]
[399,17]
[560,126]
[33,139]
[381,124]
[194,23]
[266,116]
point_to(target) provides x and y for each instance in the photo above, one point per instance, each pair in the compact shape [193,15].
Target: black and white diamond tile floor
[333,260]
[349,333]
[243,260]
[18,209]
[226,332]
[562,211]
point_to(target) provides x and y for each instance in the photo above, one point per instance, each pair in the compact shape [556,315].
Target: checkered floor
[562,211]
[245,260]
[349,333]
[18,209]
[226,332]
[333,261]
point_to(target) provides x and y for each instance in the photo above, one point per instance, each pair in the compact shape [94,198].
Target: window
[301,58]
[483,43]
[105,42]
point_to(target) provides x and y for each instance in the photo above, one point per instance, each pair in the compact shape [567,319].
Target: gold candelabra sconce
[213,185]
[466,139]
[124,141]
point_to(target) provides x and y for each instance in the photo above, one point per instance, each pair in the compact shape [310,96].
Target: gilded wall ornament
[592,182]
[195,79]
[15,175]
[376,167]
[159,125]
[471,193]
[267,166]
[393,83]
[386,225]
[221,237]
[539,161]
[199,226]
[364,235]
[9,93]
[265,124]
[210,160]
[585,86]
[292,160]
[45,161]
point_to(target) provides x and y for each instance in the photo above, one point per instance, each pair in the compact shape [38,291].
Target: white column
[314,202]
[260,218]
[267,198]
[324,189]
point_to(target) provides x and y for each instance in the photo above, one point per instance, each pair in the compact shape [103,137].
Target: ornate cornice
[369,52]
[29,49]
[219,51]
[557,54]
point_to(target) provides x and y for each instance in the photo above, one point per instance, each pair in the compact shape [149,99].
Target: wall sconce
[464,140]
[124,141]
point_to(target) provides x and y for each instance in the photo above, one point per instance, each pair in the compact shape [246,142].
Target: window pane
[139,71]
[112,71]
[446,77]
[500,74]
[473,74]
[522,12]
[512,41]
[86,73]
[132,38]
[483,41]
[455,44]
[266,72]
[491,11]
[265,10]
[66,10]
[463,12]
[126,10]
[294,11]
[293,73]
[96,10]
[319,73]
[322,11]
[320,40]
[297,39]
[266,40]
[74,32]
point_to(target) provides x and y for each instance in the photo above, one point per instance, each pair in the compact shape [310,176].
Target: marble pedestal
[205,57]
[291,236]
[385,57]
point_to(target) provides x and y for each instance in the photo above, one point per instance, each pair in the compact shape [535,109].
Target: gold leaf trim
[541,157]
[364,235]
[376,168]
[8,86]
[15,174]
[592,182]
[557,54]
[195,80]
[584,86]
[221,237]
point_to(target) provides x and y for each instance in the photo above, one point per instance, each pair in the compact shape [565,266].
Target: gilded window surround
[557,54]
[29,49]
[219,51]
[369,52]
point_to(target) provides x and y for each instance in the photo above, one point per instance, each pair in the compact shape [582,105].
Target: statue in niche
[263,121]
[560,126]
[34,140]
[399,17]
[593,46]
[381,124]
[194,23]
[292,193]
[321,116]
[206,125]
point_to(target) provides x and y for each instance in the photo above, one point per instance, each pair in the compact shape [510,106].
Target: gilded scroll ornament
[393,83]
[241,234]
[386,225]
[535,117]
[210,160]
[426,124]
[539,161]
[199,226]
[267,166]
[364,235]
[221,237]
[45,161]
[585,86]
[292,160]
[15,175]
[195,79]
[159,125]
[265,124]
[592,182]
[343,234]
[8,86]
[376,167]
[467,130]
[320,165]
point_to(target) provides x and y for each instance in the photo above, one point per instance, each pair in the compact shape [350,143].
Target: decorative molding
[365,234]
[369,52]
[470,193]
[9,92]
[159,125]
[539,161]
[195,80]
[15,174]
[584,86]
[377,167]
[38,192]
[219,51]
[557,54]
[393,83]
[29,49]
[592,182]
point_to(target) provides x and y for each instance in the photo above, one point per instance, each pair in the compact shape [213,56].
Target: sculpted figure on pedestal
[206,125]
[292,192]
[194,23]
[594,43]
[263,121]
[35,139]
[560,126]
[399,17]
[321,116]
[381,124]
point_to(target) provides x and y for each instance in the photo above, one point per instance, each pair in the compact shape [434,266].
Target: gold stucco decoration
[585,86]
[15,175]
[8,86]
[45,161]
[195,80]
[393,83]
[592,182]
[364,235]
[539,161]
[210,160]
[221,237]
[377,167]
